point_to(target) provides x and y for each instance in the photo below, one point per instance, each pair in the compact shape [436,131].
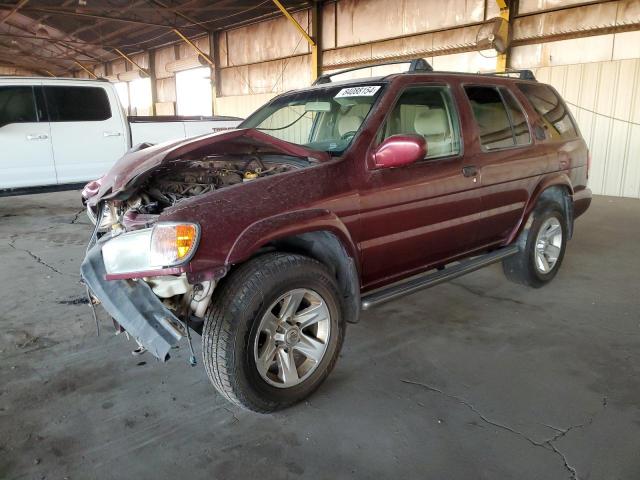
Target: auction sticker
[361,91]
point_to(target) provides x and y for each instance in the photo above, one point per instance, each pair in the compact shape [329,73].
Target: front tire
[274,332]
[542,248]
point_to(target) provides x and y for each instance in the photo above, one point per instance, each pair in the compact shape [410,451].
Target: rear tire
[262,350]
[542,248]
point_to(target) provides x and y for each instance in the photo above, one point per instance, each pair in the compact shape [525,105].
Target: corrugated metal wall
[588,49]
[605,100]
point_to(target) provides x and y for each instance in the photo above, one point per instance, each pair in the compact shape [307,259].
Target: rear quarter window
[555,115]
[77,104]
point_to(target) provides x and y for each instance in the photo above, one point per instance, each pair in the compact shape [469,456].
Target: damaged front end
[137,264]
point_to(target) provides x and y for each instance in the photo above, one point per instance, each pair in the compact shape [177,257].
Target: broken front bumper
[134,306]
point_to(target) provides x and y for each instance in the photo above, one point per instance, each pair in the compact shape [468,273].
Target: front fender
[289,224]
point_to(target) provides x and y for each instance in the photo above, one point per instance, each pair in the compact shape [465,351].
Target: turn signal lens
[172,244]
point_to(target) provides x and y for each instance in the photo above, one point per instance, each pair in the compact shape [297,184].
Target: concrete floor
[478,379]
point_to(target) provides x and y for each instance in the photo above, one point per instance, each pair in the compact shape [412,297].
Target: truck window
[427,111]
[17,105]
[552,109]
[77,104]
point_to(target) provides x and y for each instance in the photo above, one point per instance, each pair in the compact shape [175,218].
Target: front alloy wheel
[292,338]
[273,331]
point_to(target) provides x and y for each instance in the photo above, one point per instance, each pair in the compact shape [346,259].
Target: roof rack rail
[415,65]
[522,74]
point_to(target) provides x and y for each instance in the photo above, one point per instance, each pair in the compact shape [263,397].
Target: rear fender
[557,188]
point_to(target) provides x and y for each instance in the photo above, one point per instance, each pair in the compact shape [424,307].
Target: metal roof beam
[34,40]
[71,13]
[181,15]
[13,11]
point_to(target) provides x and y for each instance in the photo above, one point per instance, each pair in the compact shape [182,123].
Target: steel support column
[313,43]
[215,69]
[153,80]
[502,60]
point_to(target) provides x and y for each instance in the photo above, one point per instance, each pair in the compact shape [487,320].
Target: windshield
[321,119]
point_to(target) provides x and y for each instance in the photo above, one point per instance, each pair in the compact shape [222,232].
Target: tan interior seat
[433,125]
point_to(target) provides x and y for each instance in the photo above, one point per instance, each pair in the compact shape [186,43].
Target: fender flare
[561,180]
[317,233]
[290,224]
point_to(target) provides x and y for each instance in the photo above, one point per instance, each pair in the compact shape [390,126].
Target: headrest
[349,123]
[432,121]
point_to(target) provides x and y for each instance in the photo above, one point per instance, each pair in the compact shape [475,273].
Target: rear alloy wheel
[273,332]
[542,246]
[548,245]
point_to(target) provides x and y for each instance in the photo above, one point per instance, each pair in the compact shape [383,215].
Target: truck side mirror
[400,150]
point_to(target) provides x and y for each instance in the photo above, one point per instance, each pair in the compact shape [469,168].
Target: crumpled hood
[246,141]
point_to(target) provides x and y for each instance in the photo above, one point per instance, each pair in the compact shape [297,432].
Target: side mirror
[400,150]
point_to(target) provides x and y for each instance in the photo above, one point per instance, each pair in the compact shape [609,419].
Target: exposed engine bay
[198,177]
[182,179]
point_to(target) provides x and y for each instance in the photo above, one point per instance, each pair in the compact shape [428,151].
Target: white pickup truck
[55,133]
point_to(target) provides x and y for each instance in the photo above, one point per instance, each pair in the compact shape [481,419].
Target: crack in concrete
[571,469]
[236,419]
[480,293]
[546,444]
[34,256]
[76,216]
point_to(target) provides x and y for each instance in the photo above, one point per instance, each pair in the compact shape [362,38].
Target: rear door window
[557,119]
[17,105]
[500,119]
[77,104]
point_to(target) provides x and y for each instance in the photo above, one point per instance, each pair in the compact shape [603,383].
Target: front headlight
[164,245]
[172,243]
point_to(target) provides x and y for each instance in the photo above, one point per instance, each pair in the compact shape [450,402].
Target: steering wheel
[346,135]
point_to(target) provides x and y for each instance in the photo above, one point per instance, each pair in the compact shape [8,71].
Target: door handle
[111,134]
[469,171]
[40,136]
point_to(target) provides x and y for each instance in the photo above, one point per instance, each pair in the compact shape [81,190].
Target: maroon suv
[267,239]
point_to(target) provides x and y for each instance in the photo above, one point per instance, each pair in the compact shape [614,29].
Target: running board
[431,279]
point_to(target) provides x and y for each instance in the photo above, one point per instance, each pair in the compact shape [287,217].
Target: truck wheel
[542,248]
[274,332]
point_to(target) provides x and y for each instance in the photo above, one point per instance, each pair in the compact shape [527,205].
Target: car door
[422,214]
[506,161]
[26,159]
[88,136]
